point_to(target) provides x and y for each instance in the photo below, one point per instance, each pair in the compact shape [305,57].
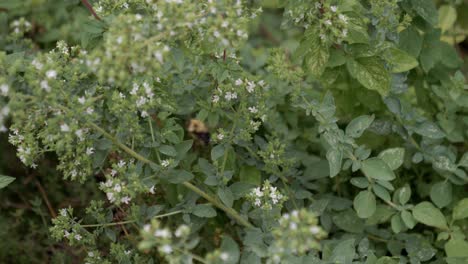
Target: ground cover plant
[229,131]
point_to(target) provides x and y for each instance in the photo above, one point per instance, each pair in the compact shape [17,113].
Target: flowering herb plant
[231,131]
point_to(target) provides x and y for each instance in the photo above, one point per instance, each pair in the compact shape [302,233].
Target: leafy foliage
[225,131]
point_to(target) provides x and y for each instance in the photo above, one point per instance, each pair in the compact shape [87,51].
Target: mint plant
[337,129]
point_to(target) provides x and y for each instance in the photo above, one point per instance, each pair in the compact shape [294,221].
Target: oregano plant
[234,131]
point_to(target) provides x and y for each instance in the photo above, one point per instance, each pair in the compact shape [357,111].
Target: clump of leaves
[337,131]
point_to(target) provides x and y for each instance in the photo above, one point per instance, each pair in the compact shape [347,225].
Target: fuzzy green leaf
[371,73]
[428,214]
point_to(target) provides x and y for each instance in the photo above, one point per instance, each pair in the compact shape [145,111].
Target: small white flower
[166,249]
[45,85]
[51,74]
[36,64]
[118,188]
[293,226]
[4,88]
[224,256]
[258,202]
[258,192]
[90,254]
[89,110]
[127,252]
[345,33]
[64,128]
[89,151]
[121,163]
[110,197]
[78,237]
[165,163]
[63,212]
[82,100]
[343,18]
[323,37]
[215,99]
[216,34]
[238,82]
[147,227]
[164,233]
[333,8]
[253,109]
[151,190]
[159,56]
[66,234]
[220,136]
[328,22]
[113,173]
[125,199]
[250,86]
[314,230]
[181,230]
[144,114]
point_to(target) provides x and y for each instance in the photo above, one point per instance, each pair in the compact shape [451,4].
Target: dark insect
[199,130]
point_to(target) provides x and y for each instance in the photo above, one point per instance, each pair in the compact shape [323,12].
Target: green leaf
[447,17]
[229,246]
[334,157]
[427,10]
[225,195]
[393,157]
[397,224]
[464,160]
[357,126]
[365,204]
[179,176]
[381,192]
[399,60]
[344,252]
[402,195]
[168,150]
[411,41]
[217,152]
[408,219]
[441,193]
[460,211]
[5,181]
[430,130]
[250,174]
[371,73]
[428,214]
[204,210]
[377,169]
[348,221]
[318,53]
[456,247]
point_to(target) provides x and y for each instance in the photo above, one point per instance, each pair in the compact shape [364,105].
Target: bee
[199,130]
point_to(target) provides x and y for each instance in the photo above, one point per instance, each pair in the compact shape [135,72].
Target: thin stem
[131,221]
[153,138]
[195,257]
[110,224]
[233,213]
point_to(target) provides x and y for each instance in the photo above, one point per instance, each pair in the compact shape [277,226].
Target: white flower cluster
[266,197]
[116,190]
[24,150]
[144,97]
[4,112]
[162,237]
[297,233]
[20,26]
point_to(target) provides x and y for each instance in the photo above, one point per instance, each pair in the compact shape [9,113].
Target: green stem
[233,213]
[110,224]
[131,221]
